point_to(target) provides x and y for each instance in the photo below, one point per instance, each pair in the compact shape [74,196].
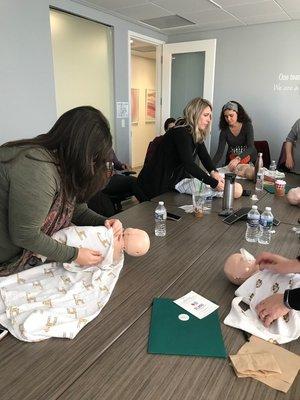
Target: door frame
[159,44]
[209,47]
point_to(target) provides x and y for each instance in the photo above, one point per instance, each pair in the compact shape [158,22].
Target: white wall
[27,101]
[143,71]
[249,61]
[83,63]
[27,104]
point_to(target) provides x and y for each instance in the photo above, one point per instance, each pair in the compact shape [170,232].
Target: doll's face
[136,242]
[237,269]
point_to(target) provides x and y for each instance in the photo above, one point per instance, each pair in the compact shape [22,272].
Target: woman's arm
[185,147]
[33,187]
[220,150]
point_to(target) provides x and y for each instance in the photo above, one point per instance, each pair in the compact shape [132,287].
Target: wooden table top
[108,358]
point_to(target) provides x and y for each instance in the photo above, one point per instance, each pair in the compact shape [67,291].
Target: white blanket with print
[58,300]
[255,289]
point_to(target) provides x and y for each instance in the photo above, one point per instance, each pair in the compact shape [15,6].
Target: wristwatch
[286,299]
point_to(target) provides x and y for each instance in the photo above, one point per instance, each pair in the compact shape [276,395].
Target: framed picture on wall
[135,99]
[150,98]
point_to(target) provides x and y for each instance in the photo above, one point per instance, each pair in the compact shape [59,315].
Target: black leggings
[118,188]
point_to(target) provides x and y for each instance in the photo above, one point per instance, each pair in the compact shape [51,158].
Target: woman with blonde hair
[175,157]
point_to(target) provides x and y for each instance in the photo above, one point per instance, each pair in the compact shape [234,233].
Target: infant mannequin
[135,242]
[238,190]
[293,196]
[238,268]
[245,171]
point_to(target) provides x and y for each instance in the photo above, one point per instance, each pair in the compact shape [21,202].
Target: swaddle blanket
[58,300]
[255,289]
[192,185]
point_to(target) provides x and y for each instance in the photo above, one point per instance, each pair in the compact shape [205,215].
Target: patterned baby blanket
[255,289]
[58,300]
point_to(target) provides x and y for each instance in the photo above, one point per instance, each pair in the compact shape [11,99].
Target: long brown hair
[191,115]
[79,141]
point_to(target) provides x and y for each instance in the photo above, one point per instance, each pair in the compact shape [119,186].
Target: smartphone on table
[173,217]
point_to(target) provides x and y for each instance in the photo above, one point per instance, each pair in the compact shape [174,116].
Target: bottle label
[266,223]
[160,216]
[254,223]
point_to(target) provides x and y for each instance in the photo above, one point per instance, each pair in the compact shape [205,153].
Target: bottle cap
[268,209]
[161,203]
[254,207]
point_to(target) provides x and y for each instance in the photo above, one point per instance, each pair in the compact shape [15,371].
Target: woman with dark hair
[236,131]
[44,185]
[174,158]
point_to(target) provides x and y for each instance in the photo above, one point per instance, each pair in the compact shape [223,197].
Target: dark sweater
[244,139]
[28,186]
[174,160]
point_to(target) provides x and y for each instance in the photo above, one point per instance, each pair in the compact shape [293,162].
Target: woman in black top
[174,158]
[279,304]
[236,131]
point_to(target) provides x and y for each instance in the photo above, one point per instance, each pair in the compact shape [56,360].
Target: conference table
[108,359]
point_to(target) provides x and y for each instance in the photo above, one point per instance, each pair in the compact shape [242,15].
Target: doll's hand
[115,224]
[88,257]
[271,309]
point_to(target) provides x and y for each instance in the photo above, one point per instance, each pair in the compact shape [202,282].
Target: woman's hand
[217,175]
[88,257]
[277,263]
[271,309]
[234,163]
[220,186]
[115,224]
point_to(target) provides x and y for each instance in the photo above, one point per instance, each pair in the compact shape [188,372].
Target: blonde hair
[191,114]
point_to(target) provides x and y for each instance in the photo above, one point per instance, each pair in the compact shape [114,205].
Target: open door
[188,72]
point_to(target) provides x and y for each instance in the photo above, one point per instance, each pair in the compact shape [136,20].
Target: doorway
[145,93]
[188,70]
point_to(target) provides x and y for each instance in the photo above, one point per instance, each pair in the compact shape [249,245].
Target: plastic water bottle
[266,224]
[259,186]
[252,231]
[207,200]
[272,169]
[160,219]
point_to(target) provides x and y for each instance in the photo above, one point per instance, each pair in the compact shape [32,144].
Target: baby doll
[240,266]
[238,190]
[134,242]
[293,196]
[245,171]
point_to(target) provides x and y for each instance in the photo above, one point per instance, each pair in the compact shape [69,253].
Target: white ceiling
[204,14]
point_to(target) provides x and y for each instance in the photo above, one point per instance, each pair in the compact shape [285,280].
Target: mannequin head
[245,171]
[238,190]
[237,269]
[293,196]
[136,242]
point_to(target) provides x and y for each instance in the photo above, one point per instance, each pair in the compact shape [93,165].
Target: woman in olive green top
[44,185]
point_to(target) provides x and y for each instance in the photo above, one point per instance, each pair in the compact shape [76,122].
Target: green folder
[195,337]
[271,188]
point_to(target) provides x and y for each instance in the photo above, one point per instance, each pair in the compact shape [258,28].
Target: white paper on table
[197,305]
